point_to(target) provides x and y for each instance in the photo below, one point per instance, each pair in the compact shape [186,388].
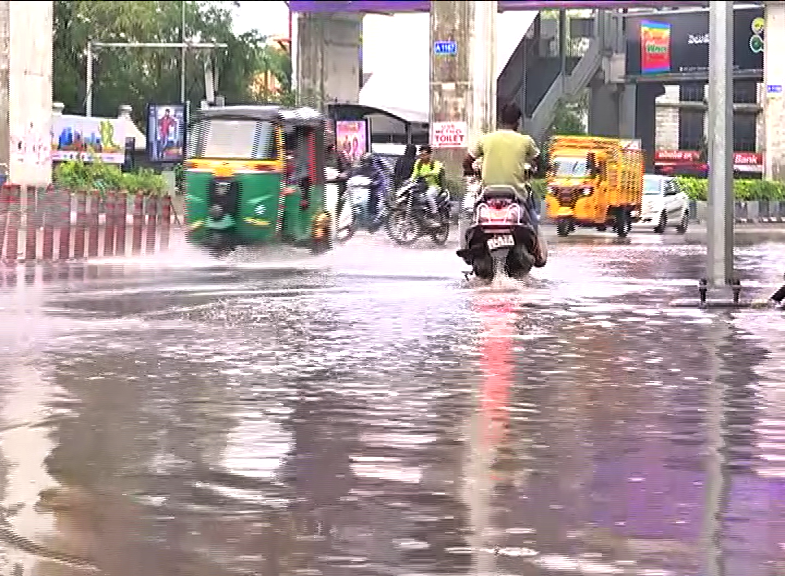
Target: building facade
[682,124]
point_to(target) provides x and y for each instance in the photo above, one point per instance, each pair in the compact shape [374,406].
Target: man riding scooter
[505,154]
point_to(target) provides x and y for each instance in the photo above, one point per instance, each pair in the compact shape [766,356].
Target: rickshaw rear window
[233,139]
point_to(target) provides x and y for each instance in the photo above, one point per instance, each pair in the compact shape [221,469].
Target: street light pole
[89,90]
[182,45]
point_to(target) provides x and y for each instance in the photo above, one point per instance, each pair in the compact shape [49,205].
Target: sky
[270,17]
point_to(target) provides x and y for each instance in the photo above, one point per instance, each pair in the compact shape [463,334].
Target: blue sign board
[774,89]
[445,48]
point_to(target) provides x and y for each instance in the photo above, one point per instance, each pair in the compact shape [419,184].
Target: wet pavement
[368,412]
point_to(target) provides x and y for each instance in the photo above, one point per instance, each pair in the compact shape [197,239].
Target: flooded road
[370,413]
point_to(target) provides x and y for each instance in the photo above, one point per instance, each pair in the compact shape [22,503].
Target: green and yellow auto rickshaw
[256,175]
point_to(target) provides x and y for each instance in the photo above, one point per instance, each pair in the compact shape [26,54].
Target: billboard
[425,5]
[351,137]
[166,125]
[679,43]
[86,139]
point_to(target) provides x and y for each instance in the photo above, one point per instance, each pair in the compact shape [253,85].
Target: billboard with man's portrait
[166,126]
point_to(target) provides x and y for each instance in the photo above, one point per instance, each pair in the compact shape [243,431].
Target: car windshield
[239,139]
[570,167]
[651,185]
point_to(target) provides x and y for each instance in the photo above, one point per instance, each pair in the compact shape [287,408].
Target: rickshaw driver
[297,153]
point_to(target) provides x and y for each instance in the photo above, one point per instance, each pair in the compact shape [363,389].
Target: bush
[750,190]
[82,176]
[698,188]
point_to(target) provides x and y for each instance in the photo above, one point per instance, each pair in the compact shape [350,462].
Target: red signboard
[742,161]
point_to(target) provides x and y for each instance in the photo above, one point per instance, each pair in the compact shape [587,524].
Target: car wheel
[684,223]
[660,228]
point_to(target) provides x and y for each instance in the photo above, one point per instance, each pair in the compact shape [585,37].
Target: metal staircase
[565,86]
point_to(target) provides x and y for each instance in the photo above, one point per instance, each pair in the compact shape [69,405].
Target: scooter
[501,239]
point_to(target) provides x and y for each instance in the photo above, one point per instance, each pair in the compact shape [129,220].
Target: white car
[664,204]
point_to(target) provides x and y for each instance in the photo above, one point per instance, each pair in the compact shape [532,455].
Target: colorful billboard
[166,124]
[425,5]
[679,43]
[655,47]
[80,137]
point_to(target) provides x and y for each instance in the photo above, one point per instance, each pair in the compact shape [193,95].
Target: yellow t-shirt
[504,154]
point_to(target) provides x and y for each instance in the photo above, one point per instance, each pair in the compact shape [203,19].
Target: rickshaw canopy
[293,116]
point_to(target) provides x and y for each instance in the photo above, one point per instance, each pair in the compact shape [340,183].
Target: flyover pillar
[26,91]
[774,97]
[327,58]
[463,81]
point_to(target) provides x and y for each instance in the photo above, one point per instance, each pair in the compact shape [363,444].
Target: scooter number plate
[504,241]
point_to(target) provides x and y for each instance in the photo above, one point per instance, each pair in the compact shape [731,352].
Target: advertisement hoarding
[676,159]
[679,43]
[86,139]
[166,126]
[351,136]
[425,5]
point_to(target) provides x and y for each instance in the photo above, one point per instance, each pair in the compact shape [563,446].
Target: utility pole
[719,257]
[5,88]
[184,46]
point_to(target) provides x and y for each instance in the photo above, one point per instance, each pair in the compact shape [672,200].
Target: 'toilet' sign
[448,134]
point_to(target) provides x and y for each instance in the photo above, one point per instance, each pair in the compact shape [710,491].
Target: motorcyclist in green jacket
[431,173]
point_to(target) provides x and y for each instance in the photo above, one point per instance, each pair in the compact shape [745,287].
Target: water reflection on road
[369,412]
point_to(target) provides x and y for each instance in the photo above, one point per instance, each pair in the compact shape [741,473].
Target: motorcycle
[409,215]
[501,239]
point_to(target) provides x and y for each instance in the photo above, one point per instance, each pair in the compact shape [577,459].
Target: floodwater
[369,412]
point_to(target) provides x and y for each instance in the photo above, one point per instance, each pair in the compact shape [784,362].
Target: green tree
[274,61]
[569,119]
[137,76]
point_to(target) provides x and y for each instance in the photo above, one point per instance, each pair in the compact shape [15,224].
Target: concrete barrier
[745,211]
[48,224]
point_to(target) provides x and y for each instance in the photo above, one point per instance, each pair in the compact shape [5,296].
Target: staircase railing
[565,86]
